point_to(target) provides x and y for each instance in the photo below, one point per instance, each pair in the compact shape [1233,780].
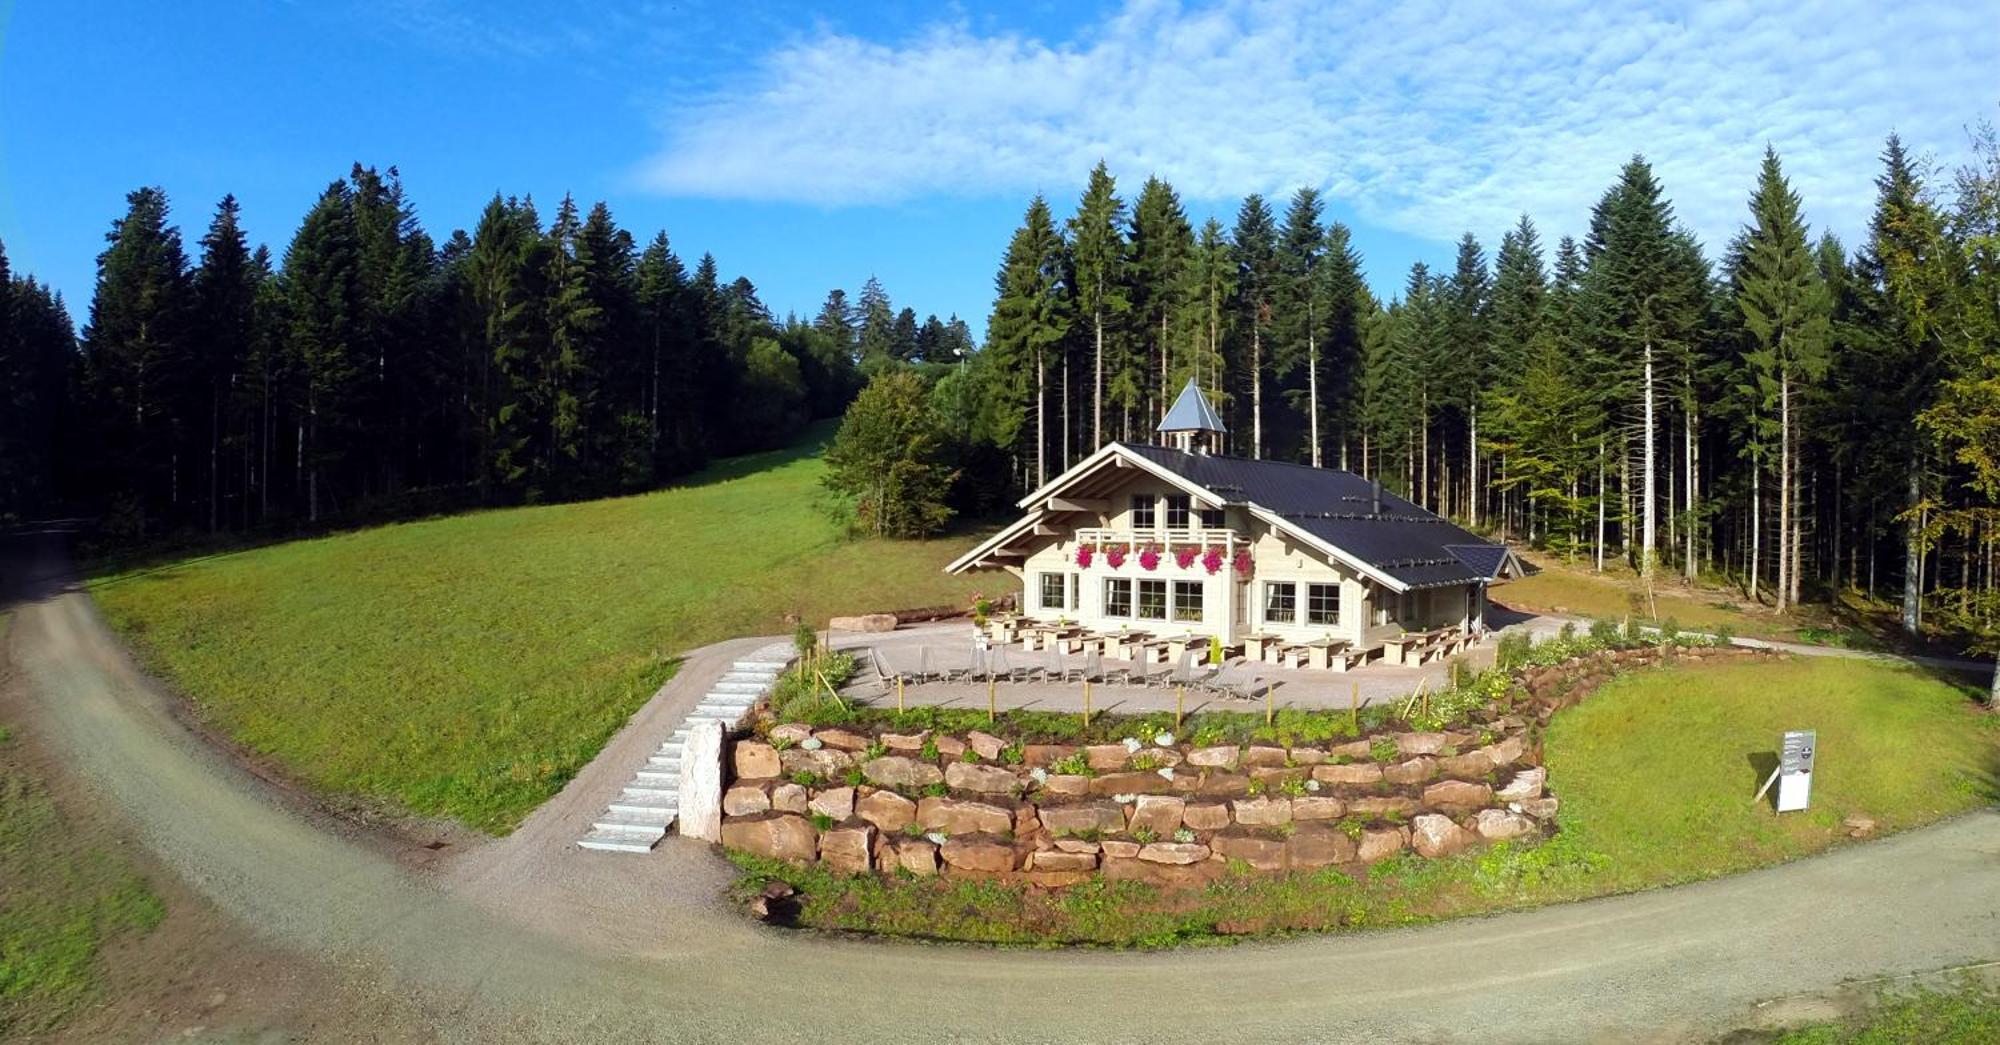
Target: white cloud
[1428,118]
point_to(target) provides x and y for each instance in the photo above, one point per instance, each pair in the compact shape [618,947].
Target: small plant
[1350,827]
[1293,786]
[854,776]
[784,743]
[1723,635]
[1075,764]
[1382,749]
[1670,632]
[806,778]
[937,790]
[913,829]
[1013,755]
[1448,751]
[1144,836]
[929,752]
[823,822]
[1256,787]
[1605,632]
[968,756]
[1146,761]
[1286,829]
[875,750]
[1185,834]
[1487,736]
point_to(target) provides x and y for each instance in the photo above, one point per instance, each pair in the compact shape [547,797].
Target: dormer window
[1178,511]
[1143,513]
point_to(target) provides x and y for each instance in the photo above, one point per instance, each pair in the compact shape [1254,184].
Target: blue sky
[808,146]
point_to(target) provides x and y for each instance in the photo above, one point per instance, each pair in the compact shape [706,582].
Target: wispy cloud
[1429,118]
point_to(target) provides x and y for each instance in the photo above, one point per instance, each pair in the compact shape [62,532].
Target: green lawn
[468,666]
[64,895]
[1655,771]
[1618,593]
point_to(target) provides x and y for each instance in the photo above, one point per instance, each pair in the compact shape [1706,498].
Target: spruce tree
[1161,251]
[1302,311]
[1256,249]
[1029,322]
[1466,306]
[225,326]
[1096,274]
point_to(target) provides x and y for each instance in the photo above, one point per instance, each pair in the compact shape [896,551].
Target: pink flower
[1212,561]
[1242,564]
[1184,556]
[1150,558]
[1114,556]
[1083,555]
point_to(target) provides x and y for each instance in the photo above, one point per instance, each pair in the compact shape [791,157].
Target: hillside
[466,667]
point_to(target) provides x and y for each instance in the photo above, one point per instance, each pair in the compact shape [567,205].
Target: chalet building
[1179,538]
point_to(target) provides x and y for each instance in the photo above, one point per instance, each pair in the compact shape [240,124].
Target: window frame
[1291,590]
[1123,586]
[1182,505]
[1139,595]
[1176,594]
[1145,511]
[1212,518]
[1062,602]
[1317,588]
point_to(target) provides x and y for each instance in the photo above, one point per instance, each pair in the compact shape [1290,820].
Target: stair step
[729,685]
[621,841]
[734,700]
[613,820]
[647,806]
[767,666]
[650,792]
[664,761]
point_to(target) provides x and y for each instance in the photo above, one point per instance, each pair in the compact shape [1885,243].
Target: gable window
[1322,604]
[1211,518]
[1055,591]
[1152,600]
[1281,602]
[1187,600]
[1143,515]
[1177,511]
[1117,597]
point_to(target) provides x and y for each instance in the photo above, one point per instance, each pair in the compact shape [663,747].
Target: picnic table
[1256,644]
[1124,645]
[1179,644]
[1047,636]
[1319,652]
[1002,628]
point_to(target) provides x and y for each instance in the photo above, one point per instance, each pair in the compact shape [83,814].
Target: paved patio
[951,644]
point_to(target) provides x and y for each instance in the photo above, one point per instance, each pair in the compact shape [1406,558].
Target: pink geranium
[1114,556]
[1242,563]
[1212,560]
[1150,557]
[1083,555]
[1184,556]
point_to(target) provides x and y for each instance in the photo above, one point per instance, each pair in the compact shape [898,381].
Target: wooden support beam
[1045,530]
[1078,504]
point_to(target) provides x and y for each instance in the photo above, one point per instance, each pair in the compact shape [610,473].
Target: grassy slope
[468,666]
[1655,774]
[1617,593]
[64,895]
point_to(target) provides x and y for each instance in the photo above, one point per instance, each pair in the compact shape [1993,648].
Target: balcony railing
[1228,540]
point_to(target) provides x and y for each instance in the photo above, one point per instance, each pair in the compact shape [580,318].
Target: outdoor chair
[1093,667]
[887,680]
[925,672]
[1189,673]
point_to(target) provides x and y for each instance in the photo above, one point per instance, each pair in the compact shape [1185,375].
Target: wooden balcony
[1229,541]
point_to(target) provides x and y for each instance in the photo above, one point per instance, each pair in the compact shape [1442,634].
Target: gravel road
[525,939]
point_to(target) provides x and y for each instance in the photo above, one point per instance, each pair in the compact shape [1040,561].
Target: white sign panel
[1795,766]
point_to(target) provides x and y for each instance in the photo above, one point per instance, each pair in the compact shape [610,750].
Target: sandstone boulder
[1145,782]
[1221,757]
[1173,853]
[905,743]
[887,810]
[986,745]
[958,816]
[1414,771]
[837,802]
[1223,784]
[825,763]
[1046,754]
[1317,807]
[756,760]
[1526,785]
[846,849]
[790,733]
[1362,773]
[1543,808]
[1119,848]
[1263,811]
[1159,814]
[1353,751]
[1165,876]
[1505,752]
[745,800]
[1457,794]
[1308,756]
[1106,757]
[949,747]
[1264,755]
[1205,816]
[1412,744]
[1382,842]
[866,622]
[1318,845]
[900,771]
[1076,845]
[842,739]
[1026,821]
[1433,836]
[978,853]
[1471,765]
[917,856]
[789,798]
[778,836]
[1083,818]
[1056,860]
[1495,824]
[1066,784]
[1264,854]
[1382,805]
[1275,777]
[976,776]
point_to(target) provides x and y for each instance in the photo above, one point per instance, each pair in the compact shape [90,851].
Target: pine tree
[1029,322]
[1301,302]
[1212,288]
[225,325]
[1349,307]
[323,301]
[875,320]
[506,270]
[1256,243]
[836,320]
[1096,274]
[661,289]
[1466,330]
[1157,271]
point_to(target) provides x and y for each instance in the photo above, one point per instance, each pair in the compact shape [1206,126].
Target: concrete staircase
[638,818]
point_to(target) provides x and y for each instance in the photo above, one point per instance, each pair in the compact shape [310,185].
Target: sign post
[1795,766]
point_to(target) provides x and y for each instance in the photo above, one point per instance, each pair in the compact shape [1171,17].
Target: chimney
[1375,491]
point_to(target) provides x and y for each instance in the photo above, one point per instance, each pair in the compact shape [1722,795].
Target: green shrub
[1383,749]
[1605,632]
[823,822]
[1074,764]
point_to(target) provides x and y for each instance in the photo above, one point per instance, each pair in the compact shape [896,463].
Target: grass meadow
[467,667]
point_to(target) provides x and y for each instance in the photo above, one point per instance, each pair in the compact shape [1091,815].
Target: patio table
[1319,652]
[1257,643]
[1179,644]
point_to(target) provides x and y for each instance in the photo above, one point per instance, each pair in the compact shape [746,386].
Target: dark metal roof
[1416,547]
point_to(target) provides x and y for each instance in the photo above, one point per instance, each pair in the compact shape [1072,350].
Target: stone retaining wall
[1151,808]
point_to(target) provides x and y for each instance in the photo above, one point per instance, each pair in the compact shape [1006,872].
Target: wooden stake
[1269,711]
[1086,703]
[992,709]
[1180,699]
[899,694]
[1354,706]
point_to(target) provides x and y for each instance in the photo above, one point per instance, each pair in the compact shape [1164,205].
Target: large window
[1143,516]
[1152,600]
[1322,604]
[1117,597]
[1211,518]
[1281,602]
[1187,600]
[1177,511]
[1055,591]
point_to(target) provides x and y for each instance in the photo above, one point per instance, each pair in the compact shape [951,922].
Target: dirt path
[530,960]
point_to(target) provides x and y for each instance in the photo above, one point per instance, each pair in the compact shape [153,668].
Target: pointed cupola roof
[1191,412]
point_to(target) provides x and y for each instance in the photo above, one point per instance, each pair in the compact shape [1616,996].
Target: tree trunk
[1066,426]
[1041,421]
[1756,528]
[1256,391]
[1648,547]
[1472,468]
[1312,384]
[1097,396]
[1693,449]
[1600,504]
[1913,571]
[1785,564]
